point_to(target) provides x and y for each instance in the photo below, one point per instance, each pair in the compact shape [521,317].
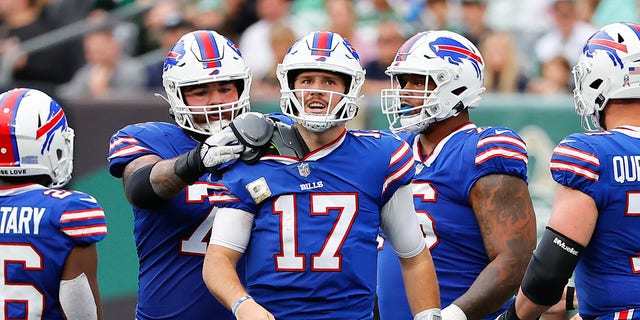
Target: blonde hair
[504,78]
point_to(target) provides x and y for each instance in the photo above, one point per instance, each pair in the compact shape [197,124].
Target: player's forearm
[220,276]
[493,287]
[164,180]
[526,309]
[420,282]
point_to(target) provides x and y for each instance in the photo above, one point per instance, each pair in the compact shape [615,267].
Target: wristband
[237,304]
[569,298]
[453,312]
[189,166]
[429,314]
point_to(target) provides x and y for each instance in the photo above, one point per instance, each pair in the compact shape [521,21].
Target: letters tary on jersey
[329,258]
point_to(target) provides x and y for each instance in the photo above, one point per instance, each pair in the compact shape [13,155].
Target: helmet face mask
[37,140]
[449,63]
[608,68]
[198,58]
[327,52]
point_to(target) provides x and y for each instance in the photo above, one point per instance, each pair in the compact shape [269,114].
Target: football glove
[208,155]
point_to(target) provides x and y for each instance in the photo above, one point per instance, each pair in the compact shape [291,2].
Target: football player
[470,185]
[169,172]
[48,235]
[306,214]
[595,218]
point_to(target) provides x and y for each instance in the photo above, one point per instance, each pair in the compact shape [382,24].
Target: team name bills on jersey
[21,220]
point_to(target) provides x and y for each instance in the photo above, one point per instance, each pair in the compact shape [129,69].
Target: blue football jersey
[441,189]
[171,241]
[312,252]
[38,229]
[606,166]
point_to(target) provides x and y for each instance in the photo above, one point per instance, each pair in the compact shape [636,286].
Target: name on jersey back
[626,168]
[21,220]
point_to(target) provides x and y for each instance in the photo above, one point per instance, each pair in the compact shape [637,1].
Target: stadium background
[541,121]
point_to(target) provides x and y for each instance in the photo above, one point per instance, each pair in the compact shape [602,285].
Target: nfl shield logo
[303,169]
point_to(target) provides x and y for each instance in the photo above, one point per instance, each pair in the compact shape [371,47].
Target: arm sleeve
[232,229]
[400,224]
[76,299]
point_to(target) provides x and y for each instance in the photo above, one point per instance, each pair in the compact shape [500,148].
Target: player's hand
[214,151]
[220,148]
[251,310]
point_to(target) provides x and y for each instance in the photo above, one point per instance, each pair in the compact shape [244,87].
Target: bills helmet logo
[174,56]
[455,52]
[210,51]
[321,44]
[602,41]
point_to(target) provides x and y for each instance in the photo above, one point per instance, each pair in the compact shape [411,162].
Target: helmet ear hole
[596,84]
[459,91]
[59,154]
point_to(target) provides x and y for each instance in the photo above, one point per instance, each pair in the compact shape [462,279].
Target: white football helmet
[327,51]
[608,68]
[448,59]
[36,139]
[201,57]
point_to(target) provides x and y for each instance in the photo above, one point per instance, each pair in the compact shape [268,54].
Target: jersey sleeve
[400,167]
[500,150]
[236,193]
[575,164]
[82,219]
[124,146]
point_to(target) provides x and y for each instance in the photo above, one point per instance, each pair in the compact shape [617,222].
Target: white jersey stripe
[502,139]
[556,165]
[577,154]
[500,152]
[81,215]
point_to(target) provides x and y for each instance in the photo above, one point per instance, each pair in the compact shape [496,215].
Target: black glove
[216,150]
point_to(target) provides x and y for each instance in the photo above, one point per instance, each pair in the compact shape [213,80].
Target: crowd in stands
[529,46]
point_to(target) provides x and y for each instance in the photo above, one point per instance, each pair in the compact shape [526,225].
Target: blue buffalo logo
[455,53]
[602,41]
[174,56]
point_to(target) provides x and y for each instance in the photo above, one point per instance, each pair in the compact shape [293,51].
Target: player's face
[419,86]
[318,87]
[212,93]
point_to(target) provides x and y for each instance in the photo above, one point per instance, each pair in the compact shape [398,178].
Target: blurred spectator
[555,78]
[174,27]
[568,35]
[502,71]
[267,88]
[69,11]
[390,38]
[153,23]
[585,10]
[23,20]
[228,17]
[473,20]
[342,20]
[107,73]
[436,15]
[255,43]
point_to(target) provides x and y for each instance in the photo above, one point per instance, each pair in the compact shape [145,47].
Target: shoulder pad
[287,141]
[254,131]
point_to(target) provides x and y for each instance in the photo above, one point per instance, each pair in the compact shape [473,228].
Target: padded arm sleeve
[139,190]
[400,225]
[550,268]
[76,299]
[232,229]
